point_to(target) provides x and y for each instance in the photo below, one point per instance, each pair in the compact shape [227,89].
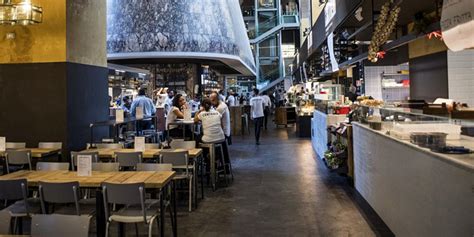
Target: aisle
[279,190]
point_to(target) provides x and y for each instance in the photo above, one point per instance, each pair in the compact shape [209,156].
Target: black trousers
[266,113]
[258,122]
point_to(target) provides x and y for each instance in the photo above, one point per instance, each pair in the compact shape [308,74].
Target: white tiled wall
[461,76]
[415,193]
[373,82]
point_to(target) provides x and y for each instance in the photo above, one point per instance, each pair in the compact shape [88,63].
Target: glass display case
[400,122]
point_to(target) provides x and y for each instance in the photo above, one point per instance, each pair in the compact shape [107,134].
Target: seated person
[176,112]
[211,122]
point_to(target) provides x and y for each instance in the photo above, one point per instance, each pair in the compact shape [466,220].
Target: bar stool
[212,160]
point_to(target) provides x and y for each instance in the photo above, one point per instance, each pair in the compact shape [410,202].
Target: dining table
[195,154]
[37,153]
[153,180]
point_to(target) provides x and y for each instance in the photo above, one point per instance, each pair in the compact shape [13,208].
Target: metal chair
[106,167]
[74,154]
[16,191]
[5,222]
[152,146]
[154,167]
[48,166]
[15,145]
[18,158]
[180,162]
[56,225]
[128,159]
[137,208]
[63,193]
[187,145]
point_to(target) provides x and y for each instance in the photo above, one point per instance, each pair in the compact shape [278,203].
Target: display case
[400,122]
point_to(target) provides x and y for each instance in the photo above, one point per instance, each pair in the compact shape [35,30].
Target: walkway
[280,189]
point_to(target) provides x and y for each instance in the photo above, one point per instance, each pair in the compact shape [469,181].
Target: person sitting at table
[176,112]
[211,122]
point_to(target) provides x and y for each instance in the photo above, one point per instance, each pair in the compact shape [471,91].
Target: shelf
[396,87]
[394,74]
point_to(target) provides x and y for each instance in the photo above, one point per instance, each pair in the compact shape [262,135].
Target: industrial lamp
[22,13]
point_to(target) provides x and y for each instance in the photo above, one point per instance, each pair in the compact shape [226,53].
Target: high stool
[212,160]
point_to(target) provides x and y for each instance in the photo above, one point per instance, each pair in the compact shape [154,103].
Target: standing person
[231,99]
[221,95]
[126,105]
[256,107]
[169,101]
[148,109]
[222,108]
[267,103]
[211,122]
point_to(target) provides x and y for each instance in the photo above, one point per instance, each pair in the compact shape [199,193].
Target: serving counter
[319,126]
[415,191]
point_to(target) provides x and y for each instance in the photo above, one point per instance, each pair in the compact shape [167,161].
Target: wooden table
[36,152]
[147,154]
[153,180]
[196,154]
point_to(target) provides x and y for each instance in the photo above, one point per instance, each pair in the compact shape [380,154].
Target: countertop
[465,161]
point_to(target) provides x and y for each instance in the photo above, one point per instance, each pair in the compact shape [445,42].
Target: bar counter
[415,191]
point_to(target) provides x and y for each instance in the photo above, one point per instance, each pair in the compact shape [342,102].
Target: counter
[319,125]
[415,191]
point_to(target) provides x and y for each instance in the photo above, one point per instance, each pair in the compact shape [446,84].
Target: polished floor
[281,189]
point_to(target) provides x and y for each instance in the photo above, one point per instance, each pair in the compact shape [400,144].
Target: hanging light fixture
[21,13]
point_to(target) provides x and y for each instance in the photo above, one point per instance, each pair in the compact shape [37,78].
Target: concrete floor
[281,189]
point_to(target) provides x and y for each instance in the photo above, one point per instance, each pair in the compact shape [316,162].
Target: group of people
[212,112]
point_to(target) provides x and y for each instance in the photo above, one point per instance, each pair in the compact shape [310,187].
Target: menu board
[139,113]
[84,165]
[3,141]
[119,115]
[140,144]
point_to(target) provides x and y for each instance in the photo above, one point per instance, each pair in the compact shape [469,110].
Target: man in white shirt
[257,106]
[222,108]
[267,102]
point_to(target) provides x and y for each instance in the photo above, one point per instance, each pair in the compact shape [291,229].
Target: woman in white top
[211,122]
[176,112]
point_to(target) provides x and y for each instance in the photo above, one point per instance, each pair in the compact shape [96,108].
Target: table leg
[202,175]
[4,165]
[195,184]
[175,215]
[162,212]
[99,213]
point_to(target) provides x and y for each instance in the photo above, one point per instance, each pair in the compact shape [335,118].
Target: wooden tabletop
[36,152]
[151,179]
[147,154]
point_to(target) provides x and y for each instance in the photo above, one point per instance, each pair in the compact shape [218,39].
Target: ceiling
[408,10]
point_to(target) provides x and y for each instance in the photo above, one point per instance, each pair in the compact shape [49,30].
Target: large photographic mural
[159,27]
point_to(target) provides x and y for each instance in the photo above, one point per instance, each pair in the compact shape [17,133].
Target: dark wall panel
[429,77]
[87,102]
[32,102]
[53,102]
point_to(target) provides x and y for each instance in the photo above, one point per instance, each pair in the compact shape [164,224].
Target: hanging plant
[383,29]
